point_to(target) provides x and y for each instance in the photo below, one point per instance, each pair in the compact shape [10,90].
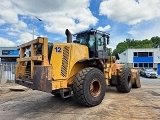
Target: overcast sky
[134,19]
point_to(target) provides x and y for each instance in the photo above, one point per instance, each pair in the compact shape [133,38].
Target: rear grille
[64,66]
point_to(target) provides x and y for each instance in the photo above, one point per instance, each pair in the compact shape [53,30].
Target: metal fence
[7,72]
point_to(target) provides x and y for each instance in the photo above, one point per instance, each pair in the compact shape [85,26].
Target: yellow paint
[65,62]
[76,52]
[43,57]
[75,69]
[56,60]
[112,69]
[59,84]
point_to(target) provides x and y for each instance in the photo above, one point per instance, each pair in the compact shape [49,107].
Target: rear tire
[124,81]
[89,87]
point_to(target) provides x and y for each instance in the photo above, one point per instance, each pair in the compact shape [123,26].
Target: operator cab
[96,42]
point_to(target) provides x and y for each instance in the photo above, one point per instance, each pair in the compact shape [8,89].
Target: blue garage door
[158,69]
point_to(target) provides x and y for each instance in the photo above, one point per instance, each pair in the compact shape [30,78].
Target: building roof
[142,49]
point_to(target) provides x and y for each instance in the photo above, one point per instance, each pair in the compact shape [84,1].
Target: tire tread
[78,86]
[122,86]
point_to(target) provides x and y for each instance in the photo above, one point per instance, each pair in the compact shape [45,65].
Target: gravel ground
[139,104]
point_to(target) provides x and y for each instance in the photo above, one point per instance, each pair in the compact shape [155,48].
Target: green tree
[156,41]
[109,50]
[128,43]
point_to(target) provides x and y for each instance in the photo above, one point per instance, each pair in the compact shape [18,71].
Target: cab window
[82,38]
[91,42]
[99,39]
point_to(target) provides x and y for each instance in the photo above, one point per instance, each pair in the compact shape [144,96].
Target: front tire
[124,81]
[89,87]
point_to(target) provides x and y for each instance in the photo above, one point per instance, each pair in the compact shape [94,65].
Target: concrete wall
[123,57]
[130,65]
[157,56]
[155,65]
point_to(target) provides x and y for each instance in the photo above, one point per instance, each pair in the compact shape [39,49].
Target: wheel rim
[95,87]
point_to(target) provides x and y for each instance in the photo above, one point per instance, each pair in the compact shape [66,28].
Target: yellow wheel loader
[81,68]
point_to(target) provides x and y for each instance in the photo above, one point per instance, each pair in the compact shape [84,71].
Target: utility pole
[33,24]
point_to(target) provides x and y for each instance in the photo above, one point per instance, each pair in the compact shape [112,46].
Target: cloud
[6,43]
[132,19]
[17,28]
[2,22]
[145,30]
[25,37]
[12,33]
[130,11]
[8,13]
[20,25]
[59,15]
[115,39]
[106,28]
[56,16]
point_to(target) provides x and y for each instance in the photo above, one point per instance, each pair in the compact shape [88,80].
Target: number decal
[58,49]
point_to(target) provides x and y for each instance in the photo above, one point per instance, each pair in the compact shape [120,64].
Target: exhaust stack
[69,36]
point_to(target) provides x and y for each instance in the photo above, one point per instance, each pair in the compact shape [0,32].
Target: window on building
[140,64]
[150,54]
[146,65]
[151,65]
[135,64]
[142,54]
[145,54]
[135,54]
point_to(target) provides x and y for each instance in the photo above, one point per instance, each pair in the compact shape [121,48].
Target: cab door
[101,47]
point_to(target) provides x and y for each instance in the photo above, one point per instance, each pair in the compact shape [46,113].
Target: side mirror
[108,40]
[117,56]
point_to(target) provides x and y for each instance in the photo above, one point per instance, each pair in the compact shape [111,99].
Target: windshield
[89,40]
[82,38]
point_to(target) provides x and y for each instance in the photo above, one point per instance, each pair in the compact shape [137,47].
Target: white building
[138,58]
